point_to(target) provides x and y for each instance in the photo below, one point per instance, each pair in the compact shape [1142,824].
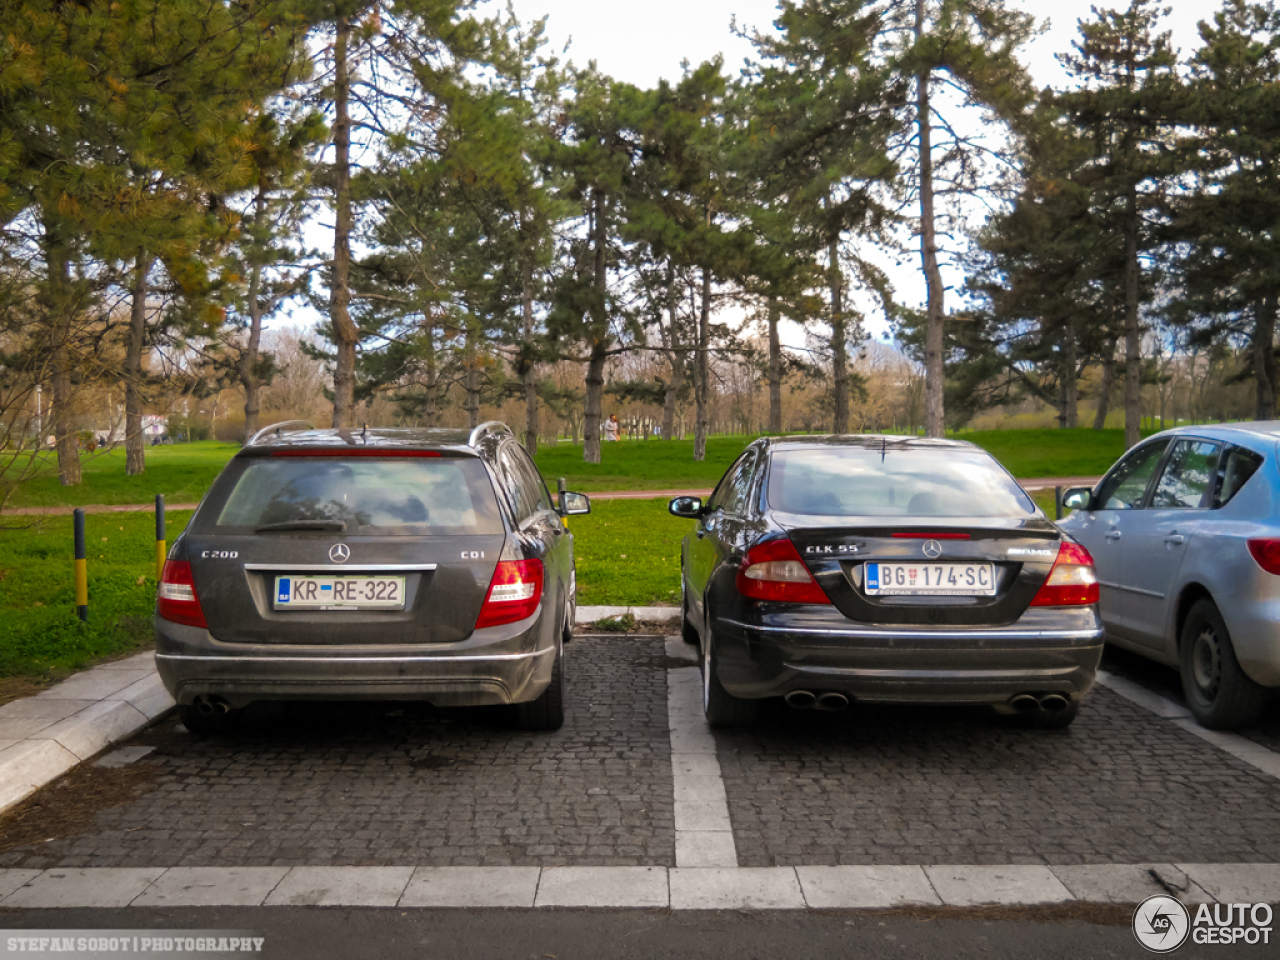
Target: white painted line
[704,833]
[341,886]
[1125,882]
[875,886]
[603,887]
[1135,692]
[1242,748]
[735,888]
[103,887]
[472,887]
[677,649]
[1237,882]
[212,887]
[971,886]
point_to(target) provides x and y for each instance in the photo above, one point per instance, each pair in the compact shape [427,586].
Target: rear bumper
[908,665]
[494,666]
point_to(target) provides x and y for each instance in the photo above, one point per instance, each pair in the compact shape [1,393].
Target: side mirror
[688,507]
[573,504]
[1077,498]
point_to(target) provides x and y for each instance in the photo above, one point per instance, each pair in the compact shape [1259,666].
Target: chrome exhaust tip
[1025,703]
[1054,703]
[832,701]
[212,706]
[800,699]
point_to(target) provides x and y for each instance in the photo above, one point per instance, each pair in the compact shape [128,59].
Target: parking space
[365,784]
[405,785]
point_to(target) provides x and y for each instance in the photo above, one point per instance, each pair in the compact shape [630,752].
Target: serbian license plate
[340,593]
[930,579]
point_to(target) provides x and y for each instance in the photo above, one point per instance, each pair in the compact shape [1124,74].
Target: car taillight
[1072,581]
[774,571]
[514,593]
[176,600]
[1267,554]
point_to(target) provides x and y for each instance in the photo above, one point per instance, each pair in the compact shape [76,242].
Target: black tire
[1059,720]
[207,724]
[688,632]
[722,709]
[547,712]
[1218,692]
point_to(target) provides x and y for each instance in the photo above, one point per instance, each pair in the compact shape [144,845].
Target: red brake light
[1267,554]
[176,599]
[380,453]
[1072,582]
[774,571]
[514,593]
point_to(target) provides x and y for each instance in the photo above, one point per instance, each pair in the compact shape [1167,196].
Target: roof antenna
[364,429]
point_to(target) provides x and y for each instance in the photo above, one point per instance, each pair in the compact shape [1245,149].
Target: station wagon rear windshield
[367,496]
[864,482]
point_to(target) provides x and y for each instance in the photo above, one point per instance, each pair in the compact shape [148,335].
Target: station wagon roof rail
[487,428]
[276,429]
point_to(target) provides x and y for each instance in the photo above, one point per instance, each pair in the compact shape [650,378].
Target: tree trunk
[1264,357]
[839,348]
[775,370]
[248,366]
[1132,330]
[935,415]
[135,456]
[702,368]
[599,337]
[471,379]
[60,310]
[1108,380]
[530,373]
[345,334]
[1071,372]
[675,357]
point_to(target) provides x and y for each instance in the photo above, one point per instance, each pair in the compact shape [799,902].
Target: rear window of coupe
[373,497]
[863,482]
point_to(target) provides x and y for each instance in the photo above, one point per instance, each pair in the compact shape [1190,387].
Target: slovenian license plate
[930,579]
[340,593]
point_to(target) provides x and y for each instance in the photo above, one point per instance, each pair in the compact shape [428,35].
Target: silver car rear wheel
[1218,691]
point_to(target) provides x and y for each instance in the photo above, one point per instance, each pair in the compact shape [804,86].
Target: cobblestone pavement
[1166,682]
[339,784]
[902,786]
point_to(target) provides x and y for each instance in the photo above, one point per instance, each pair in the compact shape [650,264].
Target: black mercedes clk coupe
[827,570]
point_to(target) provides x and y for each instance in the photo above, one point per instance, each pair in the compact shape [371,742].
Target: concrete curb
[589,615]
[680,888]
[44,736]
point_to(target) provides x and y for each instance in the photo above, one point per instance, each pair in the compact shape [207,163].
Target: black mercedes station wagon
[831,569]
[372,564]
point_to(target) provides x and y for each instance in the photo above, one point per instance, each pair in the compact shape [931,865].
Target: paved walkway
[1038,483]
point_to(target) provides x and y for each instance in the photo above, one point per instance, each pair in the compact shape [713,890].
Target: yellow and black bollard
[560,488]
[161,543]
[82,570]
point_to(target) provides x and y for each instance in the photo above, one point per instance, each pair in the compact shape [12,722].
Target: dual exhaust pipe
[1026,703]
[211,706]
[808,700]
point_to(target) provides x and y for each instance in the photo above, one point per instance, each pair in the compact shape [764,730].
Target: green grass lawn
[628,553]
[181,471]
[41,634]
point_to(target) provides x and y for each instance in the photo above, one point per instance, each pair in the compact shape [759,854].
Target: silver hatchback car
[1185,536]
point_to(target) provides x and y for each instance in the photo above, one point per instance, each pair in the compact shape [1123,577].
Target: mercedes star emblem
[932,549]
[340,553]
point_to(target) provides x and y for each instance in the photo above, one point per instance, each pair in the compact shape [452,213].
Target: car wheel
[722,709]
[207,724]
[547,712]
[1219,693]
[688,632]
[1056,720]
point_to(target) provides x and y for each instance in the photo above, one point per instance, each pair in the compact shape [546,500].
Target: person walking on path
[611,427]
